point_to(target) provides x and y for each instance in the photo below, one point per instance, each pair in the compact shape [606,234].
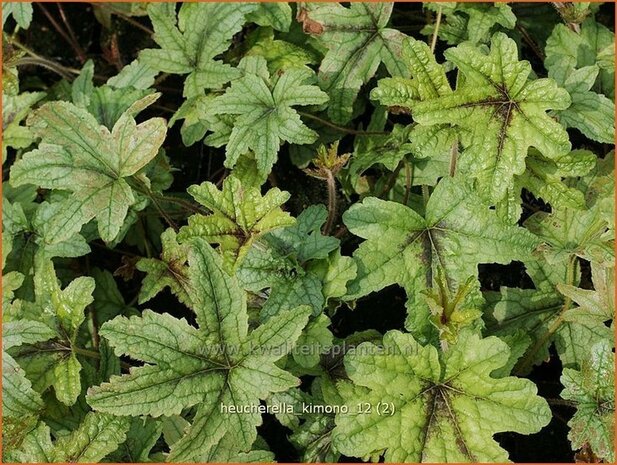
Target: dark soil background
[113,47]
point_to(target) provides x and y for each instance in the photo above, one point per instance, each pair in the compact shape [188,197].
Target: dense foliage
[310,232]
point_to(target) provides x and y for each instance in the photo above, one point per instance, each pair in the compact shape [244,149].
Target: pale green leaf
[220,363]
[358,41]
[183,48]
[136,75]
[443,408]
[283,264]
[500,112]
[458,232]
[470,21]
[97,436]
[169,270]
[20,11]
[240,214]
[265,116]
[79,155]
[593,391]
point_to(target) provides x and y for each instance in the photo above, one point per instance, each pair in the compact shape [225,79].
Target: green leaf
[14,110]
[265,116]
[591,113]
[543,315]
[140,439]
[240,214]
[21,12]
[220,363]
[314,341]
[443,408]
[568,232]
[18,397]
[283,262]
[36,446]
[62,310]
[544,178]
[97,436]
[500,114]
[136,74]
[593,391]
[597,304]
[567,50]
[108,300]
[470,21]
[358,41]
[170,270]
[276,15]
[404,248]
[183,48]
[79,155]
[279,54]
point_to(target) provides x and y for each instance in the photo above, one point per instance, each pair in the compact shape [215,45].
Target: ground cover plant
[309,232]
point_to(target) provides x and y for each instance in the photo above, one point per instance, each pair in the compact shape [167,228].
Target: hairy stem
[425,194]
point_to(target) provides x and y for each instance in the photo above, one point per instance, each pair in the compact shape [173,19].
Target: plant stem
[563,402]
[331,203]
[436,30]
[38,60]
[425,194]
[42,62]
[453,158]
[341,128]
[75,43]
[391,181]
[137,24]
[529,41]
[525,364]
[71,41]
[95,355]
[408,181]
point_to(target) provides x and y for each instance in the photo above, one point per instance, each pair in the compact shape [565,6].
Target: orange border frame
[286,1]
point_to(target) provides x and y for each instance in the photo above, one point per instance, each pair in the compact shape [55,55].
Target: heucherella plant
[308,232]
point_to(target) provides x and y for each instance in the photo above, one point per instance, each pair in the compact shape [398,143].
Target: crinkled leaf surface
[544,178]
[240,214]
[281,263]
[62,310]
[170,270]
[500,112]
[219,363]
[446,408]
[470,21]
[358,41]
[543,315]
[567,50]
[265,116]
[14,110]
[458,232]
[191,43]
[18,397]
[98,435]
[79,155]
[592,389]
